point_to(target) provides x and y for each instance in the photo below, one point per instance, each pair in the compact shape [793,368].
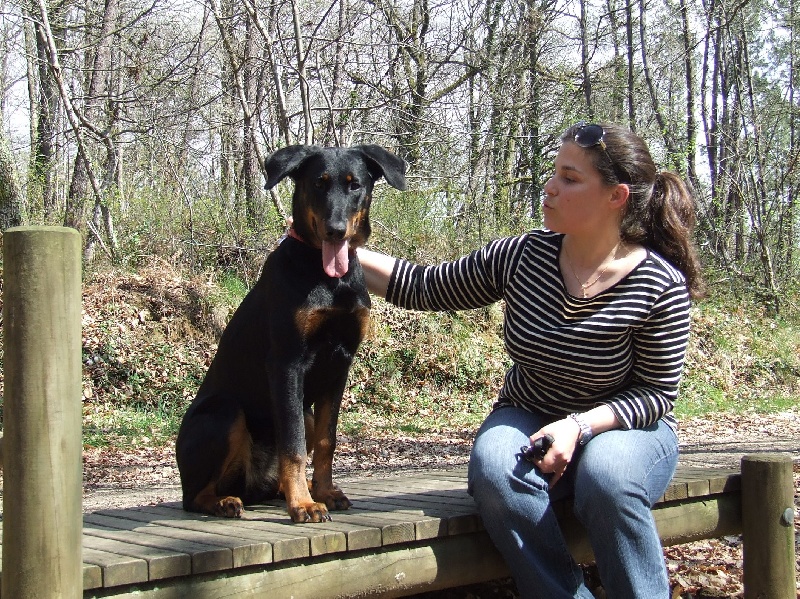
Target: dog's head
[332,194]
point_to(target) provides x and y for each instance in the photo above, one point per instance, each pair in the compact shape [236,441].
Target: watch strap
[586,430]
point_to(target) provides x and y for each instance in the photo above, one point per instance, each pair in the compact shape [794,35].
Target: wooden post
[768,526]
[42,516]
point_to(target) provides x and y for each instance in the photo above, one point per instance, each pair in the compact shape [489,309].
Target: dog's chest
[333,325]
[339,316]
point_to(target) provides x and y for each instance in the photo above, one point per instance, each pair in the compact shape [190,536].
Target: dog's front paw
[229,507]
[309,512]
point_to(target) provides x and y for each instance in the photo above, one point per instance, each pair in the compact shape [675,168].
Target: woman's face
[576,198]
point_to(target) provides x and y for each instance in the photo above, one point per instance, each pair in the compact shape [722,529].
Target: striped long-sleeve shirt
[624,347]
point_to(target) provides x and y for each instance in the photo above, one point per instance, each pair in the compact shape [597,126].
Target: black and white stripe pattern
[624,347]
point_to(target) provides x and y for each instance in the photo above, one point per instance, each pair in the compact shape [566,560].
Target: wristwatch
[586,430]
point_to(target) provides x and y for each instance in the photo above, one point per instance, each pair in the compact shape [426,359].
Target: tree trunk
[43,153]
[586,80]
[10,195]
[250,167]
[631,51]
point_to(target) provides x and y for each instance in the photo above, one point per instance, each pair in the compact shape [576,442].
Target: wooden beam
[389,572]
[768,526]
[42,412]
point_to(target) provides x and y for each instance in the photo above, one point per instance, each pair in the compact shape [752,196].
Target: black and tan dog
[273,391]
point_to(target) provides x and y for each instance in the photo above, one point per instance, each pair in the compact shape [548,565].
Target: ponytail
[668,227]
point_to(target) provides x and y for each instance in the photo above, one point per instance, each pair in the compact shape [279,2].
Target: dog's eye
[355,185]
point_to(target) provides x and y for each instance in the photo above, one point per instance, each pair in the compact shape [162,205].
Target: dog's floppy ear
[382,162]
[285,161]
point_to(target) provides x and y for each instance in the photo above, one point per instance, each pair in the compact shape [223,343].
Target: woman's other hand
[565,433]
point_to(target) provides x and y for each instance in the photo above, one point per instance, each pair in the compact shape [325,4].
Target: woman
[596,325]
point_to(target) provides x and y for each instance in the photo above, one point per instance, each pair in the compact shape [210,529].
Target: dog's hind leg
[213,467]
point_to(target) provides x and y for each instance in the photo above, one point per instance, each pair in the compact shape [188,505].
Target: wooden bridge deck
[162,551]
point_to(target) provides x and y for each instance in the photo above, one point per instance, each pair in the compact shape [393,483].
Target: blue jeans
[614,479]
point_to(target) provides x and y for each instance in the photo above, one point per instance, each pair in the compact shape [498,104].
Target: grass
[740,360]
[131,426]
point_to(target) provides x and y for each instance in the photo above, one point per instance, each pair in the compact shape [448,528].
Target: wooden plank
[719,479]
[322,539]
[726,484]
[117,569]
[423,496]
[160,563]
[422,484]
[699,487]
[423,492]
[676,491]
[287,543]
[425,526]
[221,558]
[205,557]
[165,558]
[443,519]
[677,522]
[392,530]
[92,574]
[459,518]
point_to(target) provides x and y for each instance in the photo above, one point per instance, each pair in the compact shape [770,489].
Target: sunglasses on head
[588,135]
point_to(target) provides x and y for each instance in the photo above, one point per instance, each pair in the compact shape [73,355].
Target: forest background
[144,124]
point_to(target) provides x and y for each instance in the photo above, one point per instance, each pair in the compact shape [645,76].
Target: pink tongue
[335,258]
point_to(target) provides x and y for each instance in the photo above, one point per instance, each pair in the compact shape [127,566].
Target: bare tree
[46,108]
[10,193]
[99,112]
[72,115]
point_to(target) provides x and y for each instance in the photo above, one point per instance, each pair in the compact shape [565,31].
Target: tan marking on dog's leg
[294,485]
[236,462]
[323,488]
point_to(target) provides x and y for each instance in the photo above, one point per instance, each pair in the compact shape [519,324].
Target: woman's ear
[620,195]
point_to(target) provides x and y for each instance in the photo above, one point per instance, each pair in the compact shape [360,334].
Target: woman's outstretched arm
[377,270]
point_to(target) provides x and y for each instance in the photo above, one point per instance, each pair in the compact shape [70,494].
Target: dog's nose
[335,232]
